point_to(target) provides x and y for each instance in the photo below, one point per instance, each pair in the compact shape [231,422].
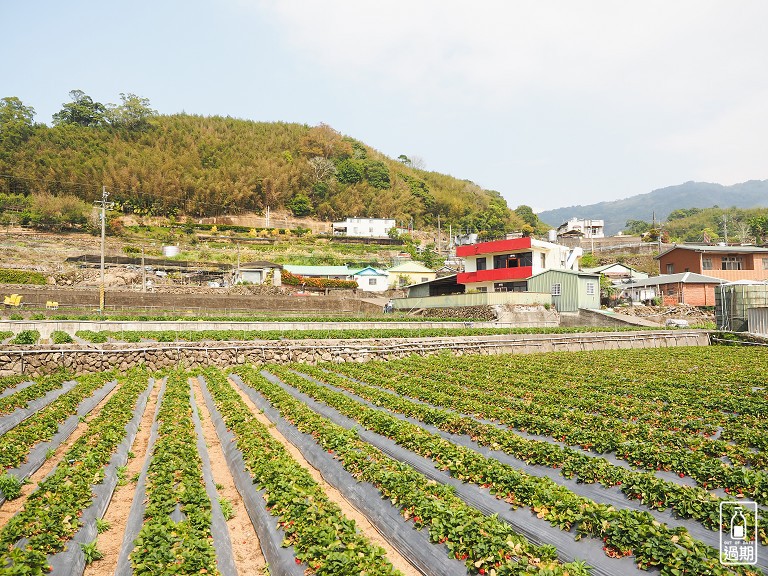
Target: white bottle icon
[738,525]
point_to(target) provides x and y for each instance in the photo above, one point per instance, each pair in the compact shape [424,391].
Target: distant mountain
[750,194]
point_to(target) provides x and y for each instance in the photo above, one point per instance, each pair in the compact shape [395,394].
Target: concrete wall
[35,360]
[472,299]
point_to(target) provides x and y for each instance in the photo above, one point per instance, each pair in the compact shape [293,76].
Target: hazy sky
[552,103]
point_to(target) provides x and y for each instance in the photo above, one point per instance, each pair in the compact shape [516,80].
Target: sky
[550,102]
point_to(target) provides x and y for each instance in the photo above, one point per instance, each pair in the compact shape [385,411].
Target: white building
[585,228]
[364,227]
[370,279]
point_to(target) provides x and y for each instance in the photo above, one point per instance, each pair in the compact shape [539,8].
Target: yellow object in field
[12,300]
[51,305]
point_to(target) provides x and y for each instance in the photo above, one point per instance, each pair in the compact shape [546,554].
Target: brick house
[685,288]
[726,262]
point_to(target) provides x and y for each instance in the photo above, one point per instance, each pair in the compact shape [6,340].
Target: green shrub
[10,486]
[91,336]
[5,334]
[16,316]
[26,337]
[11,276]
[60,337]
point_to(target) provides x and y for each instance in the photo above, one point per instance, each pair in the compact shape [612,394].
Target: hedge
[13,276]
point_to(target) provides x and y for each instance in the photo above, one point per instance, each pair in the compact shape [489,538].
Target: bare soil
[363,524]
[110,542]
[11,507]
[246,549]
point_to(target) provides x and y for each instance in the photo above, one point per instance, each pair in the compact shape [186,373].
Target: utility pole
[266,220]
[438,234]
[104,206]
[143,272]
[725,228]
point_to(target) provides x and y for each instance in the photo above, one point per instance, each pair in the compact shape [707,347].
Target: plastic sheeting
[225,562]
[414,545]
[136,514]
[18,388]
[72,561]
[538,531]
[38,455]
[19,415]
[281,560]
[598,493]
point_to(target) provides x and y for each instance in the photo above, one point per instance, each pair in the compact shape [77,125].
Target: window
[513,260]
[706,263]
[590,288]
[731,263]
[371,281]
[765,263]
[480,263]
[424,279]
[543,260]
[556,289]
[482,289]
[670,268]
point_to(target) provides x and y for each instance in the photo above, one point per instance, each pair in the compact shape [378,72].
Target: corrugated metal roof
[681,277]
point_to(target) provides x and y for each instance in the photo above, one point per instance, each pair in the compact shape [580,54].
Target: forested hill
[664,201]
[204,166]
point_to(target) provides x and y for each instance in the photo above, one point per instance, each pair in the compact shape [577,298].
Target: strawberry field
[606,463]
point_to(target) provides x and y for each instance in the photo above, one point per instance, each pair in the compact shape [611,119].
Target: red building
[505,265]
[726,262]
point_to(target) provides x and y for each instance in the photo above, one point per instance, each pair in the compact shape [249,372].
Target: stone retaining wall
[36,360]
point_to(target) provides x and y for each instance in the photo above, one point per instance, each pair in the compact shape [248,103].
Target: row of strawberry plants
[608,406]
[175,480]
[43,425]
[346,333]
[11,381]
[715,387]
[633,378]
[640,448]
[625,532]
[50,515]
[322,537]
[486,544]
[40,388]
[687,502]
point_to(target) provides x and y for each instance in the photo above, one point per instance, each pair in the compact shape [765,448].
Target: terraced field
[605,463]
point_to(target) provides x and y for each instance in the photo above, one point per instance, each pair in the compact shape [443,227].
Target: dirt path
[246,549]
[11,507]
[109,542]
[363,524]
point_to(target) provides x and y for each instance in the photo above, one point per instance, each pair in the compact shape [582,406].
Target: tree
[759,227]
[324,141]
[300,205]
[133,114]
[377,174]
[15,121]
[350,172]
[527,214]
[404,159]
[82,110]
[637,227]
[322,168]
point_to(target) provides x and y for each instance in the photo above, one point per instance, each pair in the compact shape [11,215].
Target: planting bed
[604,463]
